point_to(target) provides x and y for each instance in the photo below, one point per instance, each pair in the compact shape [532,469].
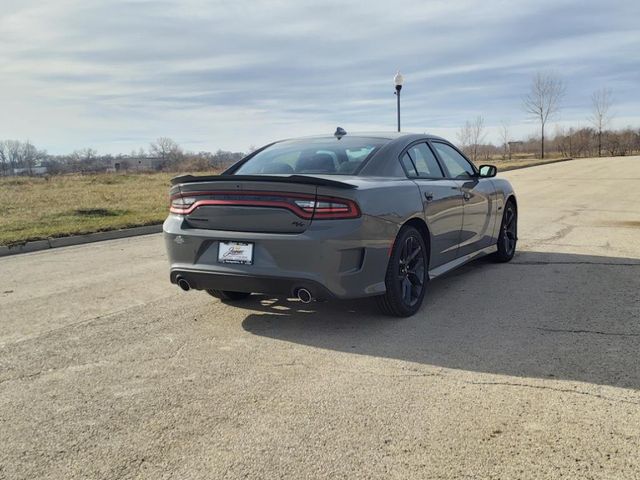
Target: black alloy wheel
[406,274]
[508,237]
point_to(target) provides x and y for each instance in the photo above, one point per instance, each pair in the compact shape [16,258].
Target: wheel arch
[420,225]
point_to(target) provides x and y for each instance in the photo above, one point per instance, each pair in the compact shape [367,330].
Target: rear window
[325,156]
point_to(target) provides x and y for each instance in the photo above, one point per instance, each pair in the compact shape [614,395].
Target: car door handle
[466,196]
[428,196]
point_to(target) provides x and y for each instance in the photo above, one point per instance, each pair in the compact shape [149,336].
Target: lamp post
[397,80]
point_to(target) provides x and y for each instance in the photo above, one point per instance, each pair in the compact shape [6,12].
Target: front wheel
[508,236]
[227,295]
[406,276]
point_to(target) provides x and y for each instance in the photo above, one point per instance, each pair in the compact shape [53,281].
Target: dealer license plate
[235,252]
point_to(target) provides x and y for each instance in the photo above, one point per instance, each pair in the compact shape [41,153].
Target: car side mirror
[488,171]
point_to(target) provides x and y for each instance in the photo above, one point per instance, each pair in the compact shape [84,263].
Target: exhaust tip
[183,284]
[304,295]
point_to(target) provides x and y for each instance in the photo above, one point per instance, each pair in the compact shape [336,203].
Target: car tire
[508,236]
[229,296]
[407,274]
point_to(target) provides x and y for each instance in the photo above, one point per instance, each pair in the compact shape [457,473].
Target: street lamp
[397,80]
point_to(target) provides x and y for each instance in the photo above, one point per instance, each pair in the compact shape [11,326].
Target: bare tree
[505,138]
[471,136]
[627,141]
[464,137]
[4,163]
[30,155]
[18,156]
[571,132]
[543,101]
[477,136]
[86,154]
[600,117]
[166,149]
[13,152]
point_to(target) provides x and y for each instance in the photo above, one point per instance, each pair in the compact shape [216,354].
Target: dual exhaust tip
[183,284]
[302,294]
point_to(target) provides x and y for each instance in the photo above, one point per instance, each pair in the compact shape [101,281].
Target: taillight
[303,205]
[330,208]
[181,204]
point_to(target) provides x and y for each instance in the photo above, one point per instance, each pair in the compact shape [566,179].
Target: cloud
[226,74]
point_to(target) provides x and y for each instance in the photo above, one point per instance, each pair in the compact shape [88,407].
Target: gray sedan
[341,216]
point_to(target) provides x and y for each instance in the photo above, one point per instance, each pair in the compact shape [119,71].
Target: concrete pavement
[521,370]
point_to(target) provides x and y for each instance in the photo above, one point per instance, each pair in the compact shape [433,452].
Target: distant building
[32,171]
[515,146]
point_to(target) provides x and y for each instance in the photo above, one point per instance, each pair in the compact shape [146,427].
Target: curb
[558,160]
[38,245]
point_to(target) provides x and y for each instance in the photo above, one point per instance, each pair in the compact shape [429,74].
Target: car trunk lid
[257,203]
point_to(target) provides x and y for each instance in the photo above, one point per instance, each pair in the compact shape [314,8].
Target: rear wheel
[406,275]
[227,295]
[508,236]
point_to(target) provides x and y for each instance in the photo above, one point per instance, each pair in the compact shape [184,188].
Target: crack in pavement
[594,332]
[508,384]
[555,389]
[443,375]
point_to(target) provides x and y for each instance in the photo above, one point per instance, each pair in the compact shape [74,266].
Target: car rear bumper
[201,280]
[332,258]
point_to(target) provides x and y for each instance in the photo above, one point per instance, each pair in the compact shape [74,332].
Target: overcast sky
[114,75]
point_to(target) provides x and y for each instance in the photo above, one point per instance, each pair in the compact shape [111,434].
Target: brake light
[182,202]
[327,208]
[303,205]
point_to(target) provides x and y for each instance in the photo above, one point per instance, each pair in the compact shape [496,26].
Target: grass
[38,208]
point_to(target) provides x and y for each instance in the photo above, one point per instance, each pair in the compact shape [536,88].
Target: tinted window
[325,156]
[457,165]
[425,161]
[408,165]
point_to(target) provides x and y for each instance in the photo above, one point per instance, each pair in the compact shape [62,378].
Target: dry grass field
[36,208]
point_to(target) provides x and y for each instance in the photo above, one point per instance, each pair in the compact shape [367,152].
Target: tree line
[23,158]
[542,103]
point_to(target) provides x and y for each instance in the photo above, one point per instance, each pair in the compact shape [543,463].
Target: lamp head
[398,80]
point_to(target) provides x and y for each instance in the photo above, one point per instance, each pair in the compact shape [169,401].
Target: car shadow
[545,315]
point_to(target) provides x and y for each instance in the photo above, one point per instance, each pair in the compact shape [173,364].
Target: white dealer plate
[235,252]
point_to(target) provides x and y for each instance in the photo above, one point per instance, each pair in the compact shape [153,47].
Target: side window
[408,165]
[425,161]
[457,165]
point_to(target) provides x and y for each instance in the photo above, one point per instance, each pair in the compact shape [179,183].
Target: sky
[230,74]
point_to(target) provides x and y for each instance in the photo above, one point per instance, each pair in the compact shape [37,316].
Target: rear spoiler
[304,179]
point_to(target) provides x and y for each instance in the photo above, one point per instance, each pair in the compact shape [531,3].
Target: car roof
[381,135]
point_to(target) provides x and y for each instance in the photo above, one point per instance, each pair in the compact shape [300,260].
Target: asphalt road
[522,370]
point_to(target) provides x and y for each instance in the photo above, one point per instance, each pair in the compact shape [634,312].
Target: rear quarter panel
[392,200]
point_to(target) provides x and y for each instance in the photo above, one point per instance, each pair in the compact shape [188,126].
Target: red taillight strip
[350,209]
[245,203]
